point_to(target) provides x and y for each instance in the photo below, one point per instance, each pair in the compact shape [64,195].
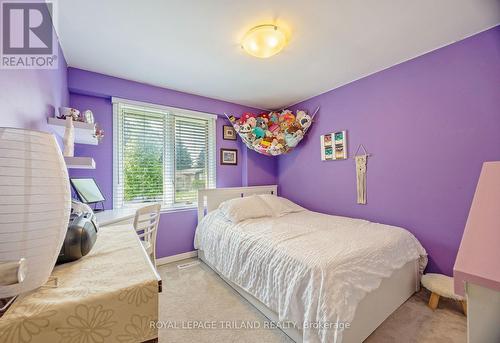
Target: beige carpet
[198,297]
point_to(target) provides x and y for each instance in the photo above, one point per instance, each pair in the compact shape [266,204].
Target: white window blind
[161,155]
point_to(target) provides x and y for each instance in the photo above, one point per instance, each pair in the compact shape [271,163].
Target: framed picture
[228,133]
[229,157]
[334,146]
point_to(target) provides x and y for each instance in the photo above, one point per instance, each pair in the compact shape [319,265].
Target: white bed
[310,267]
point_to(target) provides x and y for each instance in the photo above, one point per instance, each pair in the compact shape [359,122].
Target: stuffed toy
[264,116]
[294,127]
[284,126]
[245,117]
[265,143]
[275,148]
[258,132]
[303,119]
[293,139]
[281,138]
[255,144]
[273,117]
[287,116]
[274,128]
[261,122]
[245,128]
[252,121]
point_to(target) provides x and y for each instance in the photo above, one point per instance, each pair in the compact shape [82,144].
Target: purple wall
[93,91]
[429,123]
[260,170]
[102,153]
[28,97]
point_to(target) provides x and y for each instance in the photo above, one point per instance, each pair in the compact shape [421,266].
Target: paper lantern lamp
[35,204]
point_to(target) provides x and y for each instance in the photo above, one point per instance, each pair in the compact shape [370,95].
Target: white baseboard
[175,258]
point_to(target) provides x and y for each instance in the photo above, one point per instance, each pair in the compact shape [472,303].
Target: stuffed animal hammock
[273,133]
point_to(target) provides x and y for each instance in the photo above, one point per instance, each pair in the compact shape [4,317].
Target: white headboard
[213,197]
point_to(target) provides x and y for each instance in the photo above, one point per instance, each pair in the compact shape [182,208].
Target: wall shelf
[79,162]
[84,132]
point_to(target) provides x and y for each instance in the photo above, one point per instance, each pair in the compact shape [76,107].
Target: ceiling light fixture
[264,41]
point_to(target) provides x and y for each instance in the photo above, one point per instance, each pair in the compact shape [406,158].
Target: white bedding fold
[308,267]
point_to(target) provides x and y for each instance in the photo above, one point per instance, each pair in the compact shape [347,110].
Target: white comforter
[308,267]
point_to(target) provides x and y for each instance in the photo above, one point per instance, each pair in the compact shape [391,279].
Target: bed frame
[373,309]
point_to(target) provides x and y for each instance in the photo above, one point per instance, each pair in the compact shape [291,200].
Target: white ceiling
[192,45]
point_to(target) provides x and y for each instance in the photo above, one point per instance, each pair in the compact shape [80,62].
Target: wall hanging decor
[65,112]
[88,117]
[361,162]
[334,146]
[229,157]
[272,133]
[228,133]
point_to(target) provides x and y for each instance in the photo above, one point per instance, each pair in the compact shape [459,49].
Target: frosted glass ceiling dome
[264,41]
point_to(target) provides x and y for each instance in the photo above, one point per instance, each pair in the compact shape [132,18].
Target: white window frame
[177,112]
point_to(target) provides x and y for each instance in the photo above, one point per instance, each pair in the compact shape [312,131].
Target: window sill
[185,208]
[179,209]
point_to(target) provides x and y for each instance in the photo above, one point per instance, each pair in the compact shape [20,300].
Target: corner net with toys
[272,133]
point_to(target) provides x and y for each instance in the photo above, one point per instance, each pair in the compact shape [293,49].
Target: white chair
[146,225]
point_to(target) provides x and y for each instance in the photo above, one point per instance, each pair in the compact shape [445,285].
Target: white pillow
[239,209]
[280,206]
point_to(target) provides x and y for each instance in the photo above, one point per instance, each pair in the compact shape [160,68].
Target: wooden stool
[441,286]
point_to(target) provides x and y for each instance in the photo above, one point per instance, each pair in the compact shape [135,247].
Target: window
[161,154]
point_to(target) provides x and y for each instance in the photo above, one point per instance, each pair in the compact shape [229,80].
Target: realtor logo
[28,36]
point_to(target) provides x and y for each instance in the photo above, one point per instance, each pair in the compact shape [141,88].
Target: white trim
[116,110]
[178,208]
[170,113]
[174,110]
[175,258]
